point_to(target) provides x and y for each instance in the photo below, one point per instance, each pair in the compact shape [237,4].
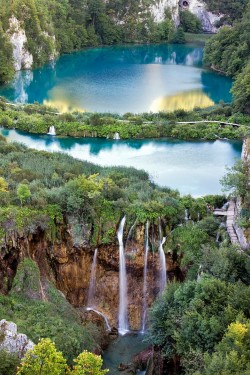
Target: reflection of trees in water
[34,85]
[217,87]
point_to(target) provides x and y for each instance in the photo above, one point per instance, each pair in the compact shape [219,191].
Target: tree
[241,91]
[8,363]
[44,359]
[190,22]
[23,192]
[6,58]
[179,36]
[232,355]
[3,185]
[88,364]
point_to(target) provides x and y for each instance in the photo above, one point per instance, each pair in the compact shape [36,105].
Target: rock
[159,8]
[13,342]
[197,7]
[22,58]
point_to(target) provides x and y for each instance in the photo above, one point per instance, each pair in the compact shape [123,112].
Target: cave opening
[185,4]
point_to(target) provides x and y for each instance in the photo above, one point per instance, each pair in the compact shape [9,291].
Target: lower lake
[191,167]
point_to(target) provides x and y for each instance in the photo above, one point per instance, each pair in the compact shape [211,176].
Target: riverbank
[200,124]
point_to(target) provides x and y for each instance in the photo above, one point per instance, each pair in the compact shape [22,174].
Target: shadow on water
[122,350]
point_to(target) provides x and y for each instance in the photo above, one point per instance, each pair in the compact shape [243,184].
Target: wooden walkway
[222,123]
[230,213]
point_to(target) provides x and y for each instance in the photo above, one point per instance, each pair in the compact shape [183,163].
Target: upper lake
[123,79]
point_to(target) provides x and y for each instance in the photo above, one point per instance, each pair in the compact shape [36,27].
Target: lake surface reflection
[191,167]
[123,79]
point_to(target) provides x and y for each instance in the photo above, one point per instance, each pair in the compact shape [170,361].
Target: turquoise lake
[123,79]
[191,167]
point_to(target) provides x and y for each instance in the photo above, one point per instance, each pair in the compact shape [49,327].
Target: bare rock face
[199,9]
[160,6]
[69,267]
[13,342]
[22,58]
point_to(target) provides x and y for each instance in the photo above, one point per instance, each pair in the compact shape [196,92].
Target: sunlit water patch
[123,79]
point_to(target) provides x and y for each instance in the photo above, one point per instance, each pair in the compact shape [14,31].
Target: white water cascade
[52,130]
[108,328]
[123,304]
[117,136]
[92,284]
[145,273]
[163,268]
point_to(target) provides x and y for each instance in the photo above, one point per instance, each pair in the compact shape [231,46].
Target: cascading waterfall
[145,273]
[108,327]
[92,284]
[123,304]
[186,215]
[163,268]
[52,130]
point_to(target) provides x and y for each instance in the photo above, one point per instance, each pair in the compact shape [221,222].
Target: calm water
[191,167]
[122,350]
[123,79]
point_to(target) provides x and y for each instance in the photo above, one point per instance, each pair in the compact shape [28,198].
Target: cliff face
[197,7]
[70,268]
[22,56]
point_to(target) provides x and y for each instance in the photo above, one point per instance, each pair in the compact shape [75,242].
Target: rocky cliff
[22,55]
[69,266]
[197,7]
[11,341]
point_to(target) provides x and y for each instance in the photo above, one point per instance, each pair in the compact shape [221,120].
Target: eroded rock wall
[69,266]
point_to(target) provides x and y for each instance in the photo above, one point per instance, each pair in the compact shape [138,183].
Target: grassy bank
[37,119]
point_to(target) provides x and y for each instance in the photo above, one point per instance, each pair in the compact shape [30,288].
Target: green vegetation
[202,325]
[228,52]
[37,119]
[52,317]
[54,27]
[8,363]
[190,22]
[44,359]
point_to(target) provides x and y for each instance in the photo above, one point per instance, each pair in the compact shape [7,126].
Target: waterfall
[108,328]
[145,273]
[186,215]
[123,308]
[52,130]
[163,269]
[117,136]
[91,293]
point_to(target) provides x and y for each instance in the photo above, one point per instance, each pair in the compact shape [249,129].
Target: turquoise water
[123,79]
[191,167]
[122,350]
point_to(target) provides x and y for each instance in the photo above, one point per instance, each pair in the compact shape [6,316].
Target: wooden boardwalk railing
[230,213]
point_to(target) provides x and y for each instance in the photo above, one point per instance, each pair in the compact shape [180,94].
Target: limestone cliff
[197,7]
[22,56]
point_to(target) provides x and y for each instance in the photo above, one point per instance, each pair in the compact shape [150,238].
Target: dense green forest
[229,53]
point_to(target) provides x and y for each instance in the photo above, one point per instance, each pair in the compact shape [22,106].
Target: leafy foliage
[44,359]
